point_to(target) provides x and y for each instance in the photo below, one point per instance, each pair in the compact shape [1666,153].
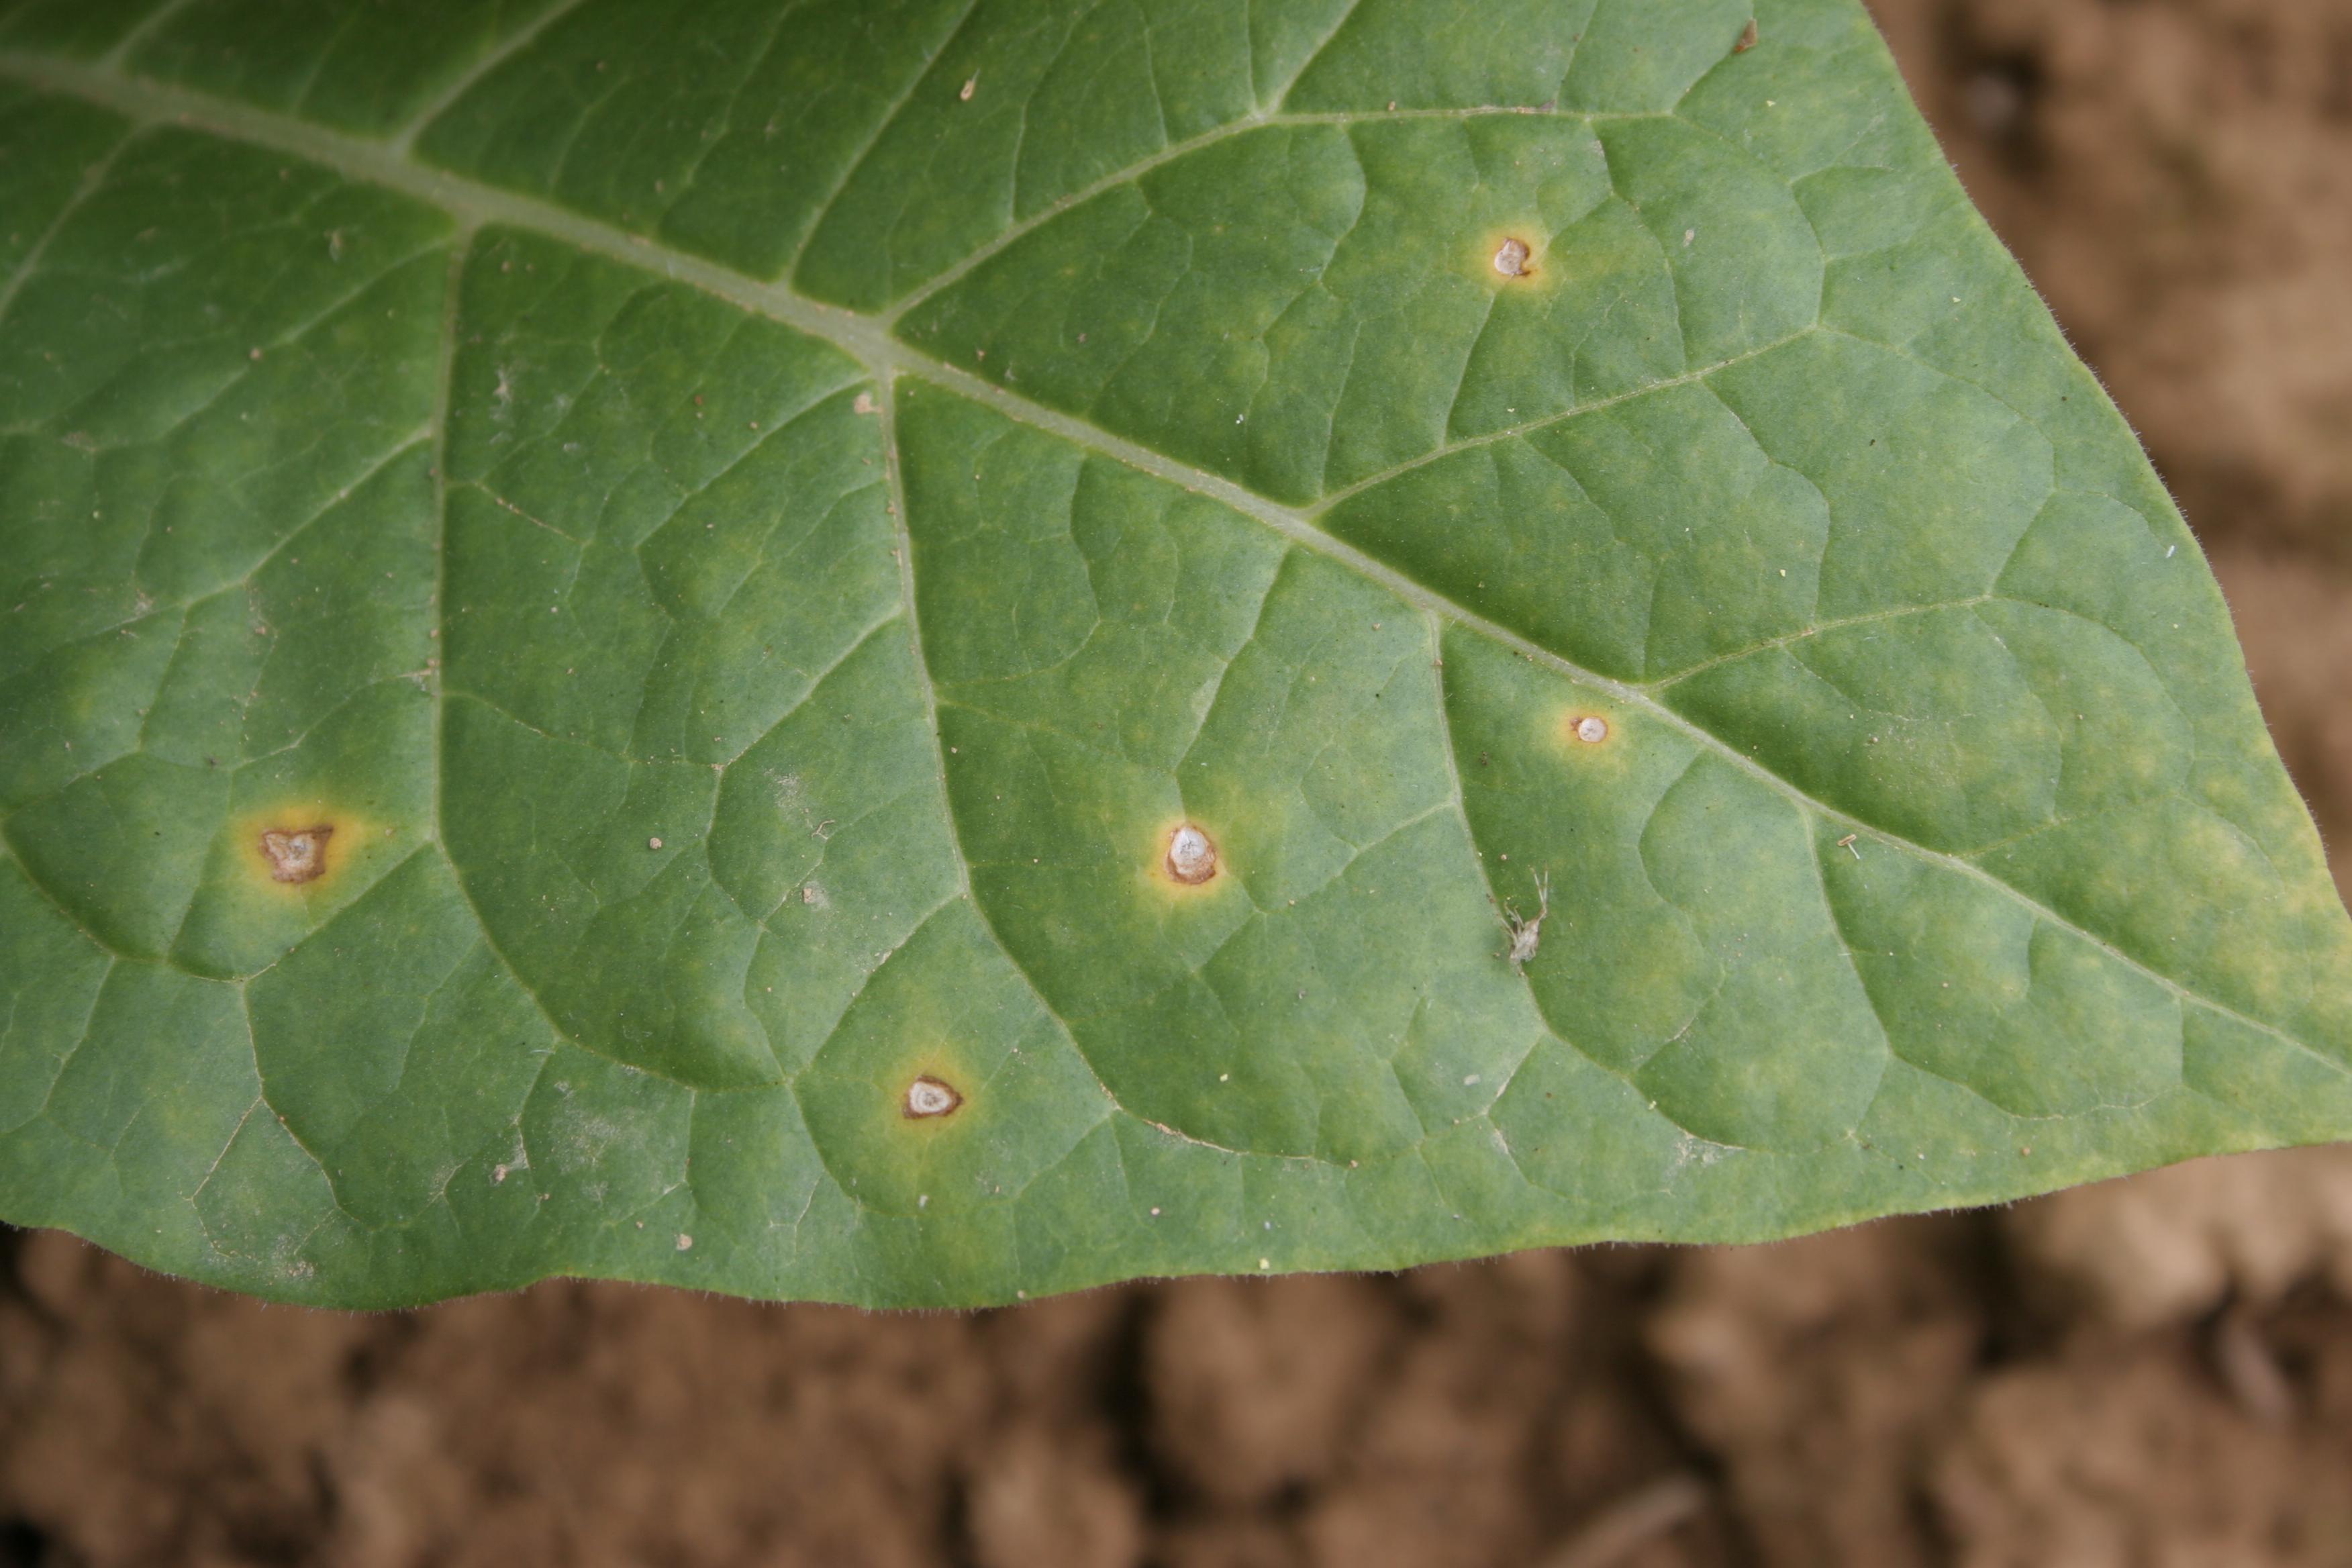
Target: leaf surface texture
[595,592]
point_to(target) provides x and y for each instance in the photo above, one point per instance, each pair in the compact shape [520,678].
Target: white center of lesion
[1191,858]
[294,855]
[929,1097]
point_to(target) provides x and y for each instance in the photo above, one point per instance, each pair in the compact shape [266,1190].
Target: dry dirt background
[2154,1373]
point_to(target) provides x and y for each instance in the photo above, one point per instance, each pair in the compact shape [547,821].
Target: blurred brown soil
[2151,1374]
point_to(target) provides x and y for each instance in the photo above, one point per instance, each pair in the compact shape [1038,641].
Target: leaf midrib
[867,339]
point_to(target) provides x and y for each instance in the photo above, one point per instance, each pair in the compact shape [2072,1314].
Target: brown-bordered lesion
[296,854]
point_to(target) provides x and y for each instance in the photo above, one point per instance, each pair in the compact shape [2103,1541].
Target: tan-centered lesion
[296,854]
[927,1097]
[1192,857]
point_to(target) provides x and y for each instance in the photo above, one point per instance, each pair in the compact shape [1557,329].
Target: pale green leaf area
[611,612]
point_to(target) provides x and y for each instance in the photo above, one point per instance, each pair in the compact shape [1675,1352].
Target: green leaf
[922,652]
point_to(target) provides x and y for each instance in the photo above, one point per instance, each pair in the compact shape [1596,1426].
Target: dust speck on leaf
[296,854]
[927,1097]
[653,843]
[1192,858]
[970,86]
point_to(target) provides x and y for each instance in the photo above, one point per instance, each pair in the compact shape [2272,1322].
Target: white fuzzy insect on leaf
[1526,934]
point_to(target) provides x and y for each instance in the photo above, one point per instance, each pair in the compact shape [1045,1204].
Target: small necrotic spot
[296,854]
[1191,858]
[1513,259]
[1592,729]
[927,1097]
